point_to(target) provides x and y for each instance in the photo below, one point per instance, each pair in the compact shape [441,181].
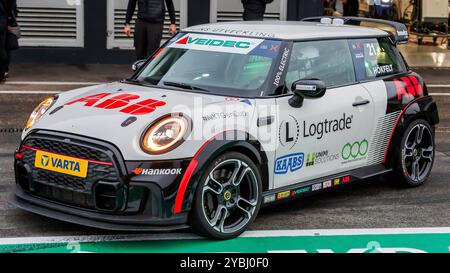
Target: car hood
[80,113]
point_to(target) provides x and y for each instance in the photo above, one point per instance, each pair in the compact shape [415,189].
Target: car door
[326,135]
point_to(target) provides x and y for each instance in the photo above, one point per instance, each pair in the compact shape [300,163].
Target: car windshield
[210,63]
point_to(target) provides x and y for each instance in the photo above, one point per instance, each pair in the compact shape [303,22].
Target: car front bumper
[97,220]
[115,195]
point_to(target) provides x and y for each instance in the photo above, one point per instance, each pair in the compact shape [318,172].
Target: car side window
[329,61]
[375,58]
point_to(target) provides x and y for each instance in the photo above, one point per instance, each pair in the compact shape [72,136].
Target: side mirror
[138,64]
[306,89]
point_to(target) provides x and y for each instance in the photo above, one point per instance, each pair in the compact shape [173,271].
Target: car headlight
[165,134]
[39,111]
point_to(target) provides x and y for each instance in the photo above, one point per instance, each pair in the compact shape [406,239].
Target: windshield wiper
[132,80]
[185,86]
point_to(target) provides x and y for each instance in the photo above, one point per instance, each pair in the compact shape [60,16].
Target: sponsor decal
[223,115]
[283,194]
[281,67]
[359,55]
[380,70]
[316,187]
[345,179]
[269,198]
[238,45]
[122,101]
[186,40]
[318,158]
[61,164]
[336,182]
[289,132]
[141,171]
[274,48]
[326,126]
[245,101]
[356,45]
[355,151]
[301,191]
[407,87]
[289,163]
[234,32]
[310,158]
[327,184]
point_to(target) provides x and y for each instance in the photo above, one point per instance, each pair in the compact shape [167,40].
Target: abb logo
[122,100]
[408,86]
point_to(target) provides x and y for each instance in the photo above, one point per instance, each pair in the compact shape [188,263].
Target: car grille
[67,149]
[69,189]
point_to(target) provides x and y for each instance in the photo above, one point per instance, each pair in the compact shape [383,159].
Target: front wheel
[227,198]
[416,157]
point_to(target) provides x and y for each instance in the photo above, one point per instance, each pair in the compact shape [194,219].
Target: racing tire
[415,155]
[227,198]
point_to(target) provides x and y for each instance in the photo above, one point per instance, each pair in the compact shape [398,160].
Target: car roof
[287,30]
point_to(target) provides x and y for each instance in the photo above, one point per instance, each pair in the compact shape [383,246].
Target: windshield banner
[226,44]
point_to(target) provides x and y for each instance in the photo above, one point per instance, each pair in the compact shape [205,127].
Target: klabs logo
[289,163]
[45,160]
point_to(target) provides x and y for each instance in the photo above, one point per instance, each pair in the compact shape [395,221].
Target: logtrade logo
[291,162]
[356,150]
[213,42]
[327,126]
[45,159]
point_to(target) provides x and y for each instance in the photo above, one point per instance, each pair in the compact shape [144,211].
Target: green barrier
[388,243]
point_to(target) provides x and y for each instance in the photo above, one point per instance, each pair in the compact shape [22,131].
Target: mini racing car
[227,118]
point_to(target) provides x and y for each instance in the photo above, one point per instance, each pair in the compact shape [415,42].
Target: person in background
[13,23]
[7,7]
[254,9]
[149,24]
[351,7]
[371,4]
[338,7]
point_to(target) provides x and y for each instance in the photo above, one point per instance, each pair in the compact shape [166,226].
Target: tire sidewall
[197,218]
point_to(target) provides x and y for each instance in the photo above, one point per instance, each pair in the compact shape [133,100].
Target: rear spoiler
[398,36]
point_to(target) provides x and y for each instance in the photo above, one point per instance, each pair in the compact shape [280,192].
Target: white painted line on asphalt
[247,234]
[439,94]
[99,238]
[22,92]
[49,83]
[338,232]
[438,85]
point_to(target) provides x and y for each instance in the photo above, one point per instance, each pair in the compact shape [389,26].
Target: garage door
[231,10]
[116,20]
[55,23]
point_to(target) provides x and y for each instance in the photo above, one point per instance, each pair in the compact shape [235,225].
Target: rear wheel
[227,197]
[416,157]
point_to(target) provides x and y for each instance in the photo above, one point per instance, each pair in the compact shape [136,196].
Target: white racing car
[224,119]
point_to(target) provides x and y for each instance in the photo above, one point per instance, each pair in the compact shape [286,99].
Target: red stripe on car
[187,176]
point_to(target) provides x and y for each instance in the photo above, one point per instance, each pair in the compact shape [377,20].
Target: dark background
[95,51]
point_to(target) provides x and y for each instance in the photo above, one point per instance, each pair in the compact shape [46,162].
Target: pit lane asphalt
[377,203]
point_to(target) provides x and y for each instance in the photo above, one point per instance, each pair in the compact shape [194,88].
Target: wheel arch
[422,108]
[221,143]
